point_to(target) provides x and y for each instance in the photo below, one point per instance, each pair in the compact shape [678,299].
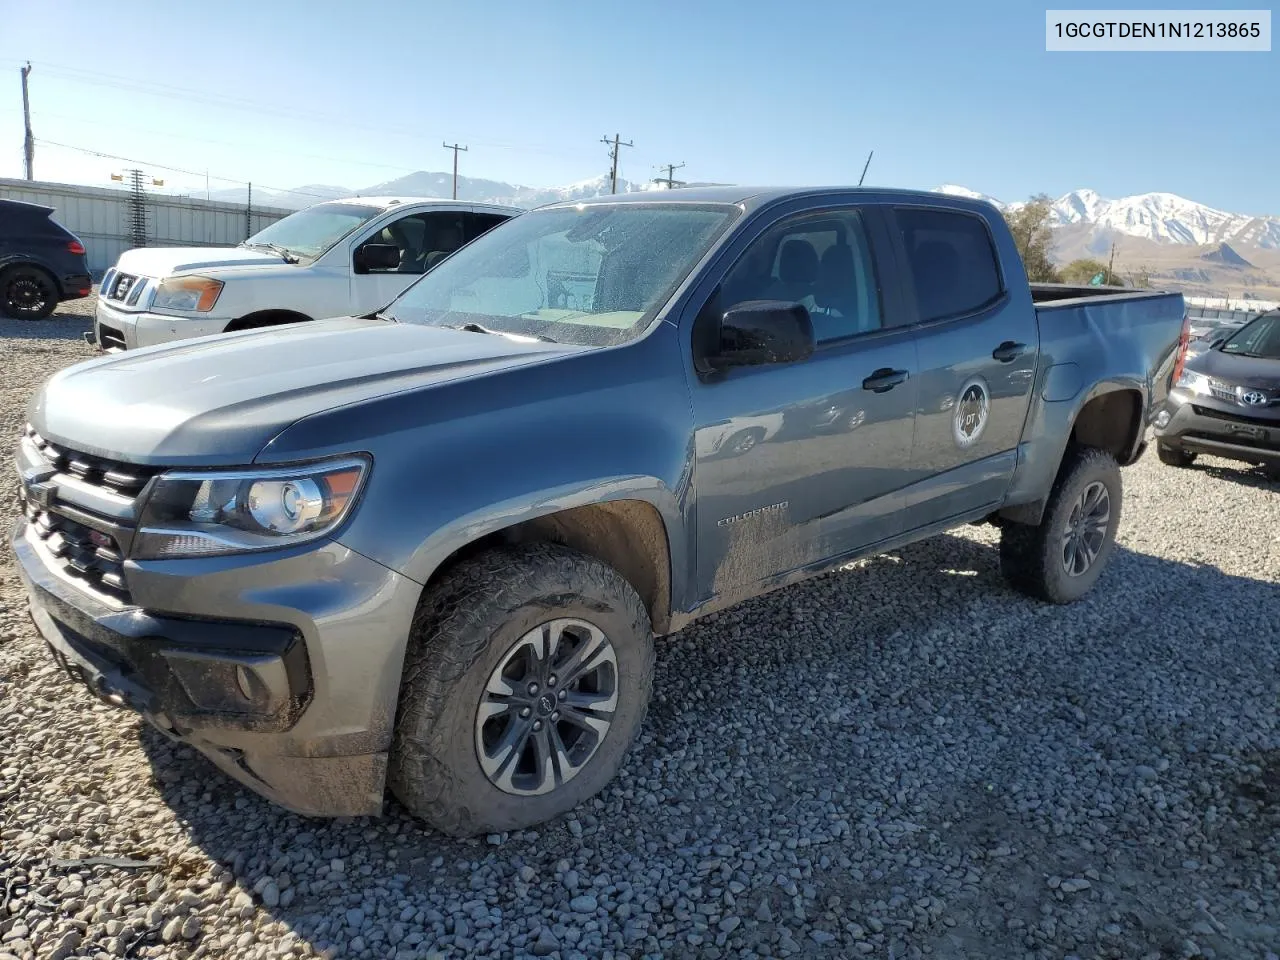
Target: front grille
[1230,393]
[83,552]
[1222,391]
[108,474]
[86,544]
[1234,439]
[121,285]
[1234,417]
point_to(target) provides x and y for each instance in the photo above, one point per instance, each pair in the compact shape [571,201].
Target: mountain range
[1199,248]
[1161,217]
[428,184]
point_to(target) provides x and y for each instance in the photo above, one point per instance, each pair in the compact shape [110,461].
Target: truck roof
[758,196]
[388,202]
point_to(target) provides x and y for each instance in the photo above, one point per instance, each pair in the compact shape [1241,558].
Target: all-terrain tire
[465,626]
[1174,457]
[1032,557]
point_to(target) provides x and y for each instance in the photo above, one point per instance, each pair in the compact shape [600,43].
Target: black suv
[42,263]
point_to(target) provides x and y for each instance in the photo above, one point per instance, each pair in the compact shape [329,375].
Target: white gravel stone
[898,756]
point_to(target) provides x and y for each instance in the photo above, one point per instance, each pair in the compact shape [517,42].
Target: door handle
[1008,351]
[886,378]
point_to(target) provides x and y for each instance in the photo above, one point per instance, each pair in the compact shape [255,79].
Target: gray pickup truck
[431,548]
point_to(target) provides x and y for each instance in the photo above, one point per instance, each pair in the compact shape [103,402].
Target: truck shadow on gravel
[69,327]
[942,763]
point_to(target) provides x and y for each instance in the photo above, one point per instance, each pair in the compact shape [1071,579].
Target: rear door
[977,343]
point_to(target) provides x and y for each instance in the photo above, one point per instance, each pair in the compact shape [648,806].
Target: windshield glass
[310,232]
[591,275]
[1261,338]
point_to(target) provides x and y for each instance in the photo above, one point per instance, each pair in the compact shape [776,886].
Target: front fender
[443,542]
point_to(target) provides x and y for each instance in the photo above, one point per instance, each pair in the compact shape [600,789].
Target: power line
[330,121]
[671,183]
[456,149]
[613,155]
[193,173]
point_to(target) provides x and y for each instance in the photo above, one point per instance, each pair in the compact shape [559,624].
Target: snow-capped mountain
[1161,217]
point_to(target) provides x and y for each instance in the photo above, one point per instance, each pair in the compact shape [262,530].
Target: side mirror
[764,331]
[376,256]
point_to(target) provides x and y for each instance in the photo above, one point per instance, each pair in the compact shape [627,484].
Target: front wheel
[1061,558]
[27,293]
[527,679]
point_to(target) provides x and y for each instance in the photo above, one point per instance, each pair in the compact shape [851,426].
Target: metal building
[102,218]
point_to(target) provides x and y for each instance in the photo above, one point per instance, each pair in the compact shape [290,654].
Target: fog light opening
[244,680]
[1162,419]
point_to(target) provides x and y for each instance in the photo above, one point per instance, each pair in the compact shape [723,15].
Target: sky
[746,92]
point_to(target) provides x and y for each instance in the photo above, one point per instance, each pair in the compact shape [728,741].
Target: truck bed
[1051,293]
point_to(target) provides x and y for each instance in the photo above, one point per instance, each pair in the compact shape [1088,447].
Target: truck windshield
[591,275]
[1261,338]
[310,232]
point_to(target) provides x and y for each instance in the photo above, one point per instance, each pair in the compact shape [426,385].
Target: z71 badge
[972,409]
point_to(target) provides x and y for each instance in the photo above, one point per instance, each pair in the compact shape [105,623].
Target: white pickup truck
[338,258]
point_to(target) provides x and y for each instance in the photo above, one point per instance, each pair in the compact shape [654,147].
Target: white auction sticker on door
[1169,31]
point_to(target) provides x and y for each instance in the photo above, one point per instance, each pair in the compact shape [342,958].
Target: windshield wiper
[274,248]
[472,327]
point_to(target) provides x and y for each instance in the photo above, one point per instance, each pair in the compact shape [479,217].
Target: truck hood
[1246,371]
[167,261]
[218,401]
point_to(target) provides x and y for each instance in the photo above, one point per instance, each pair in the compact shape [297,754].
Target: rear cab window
[951,261]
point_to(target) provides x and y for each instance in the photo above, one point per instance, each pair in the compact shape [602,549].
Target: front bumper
[283,670]
[1207,425]
[116,329]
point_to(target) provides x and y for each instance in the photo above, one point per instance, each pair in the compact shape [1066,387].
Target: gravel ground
[900,760]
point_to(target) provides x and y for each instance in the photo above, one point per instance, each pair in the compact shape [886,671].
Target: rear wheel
[526,682]
[27,293]
[1173,456]
[1061,559]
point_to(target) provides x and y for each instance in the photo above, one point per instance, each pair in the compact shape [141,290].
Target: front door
[977,352]
[423,240]
[798,463]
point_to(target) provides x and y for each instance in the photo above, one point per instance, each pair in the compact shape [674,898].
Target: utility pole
[29,142]
[671,168]
[613,145]
[248,213]
[864,167]
[456,150]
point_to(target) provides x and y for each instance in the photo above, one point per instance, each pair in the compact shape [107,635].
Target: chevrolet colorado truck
[332,259]
[429,549]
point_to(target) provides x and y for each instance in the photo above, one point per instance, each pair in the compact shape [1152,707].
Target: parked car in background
[430,548]
[1227,400]
[42,263]
[339,258]
[1209,321]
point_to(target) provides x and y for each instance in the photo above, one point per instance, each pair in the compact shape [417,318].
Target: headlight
[1196,383]
[201,514]
[197,294]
